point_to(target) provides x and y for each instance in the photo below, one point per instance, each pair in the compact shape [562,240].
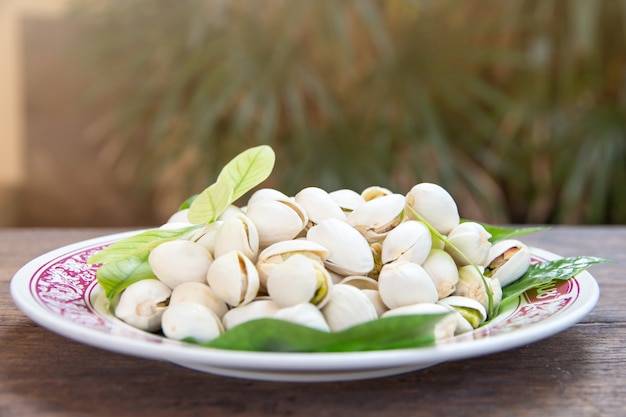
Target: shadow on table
[57,377]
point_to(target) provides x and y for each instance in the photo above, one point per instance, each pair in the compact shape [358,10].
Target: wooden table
[579,372]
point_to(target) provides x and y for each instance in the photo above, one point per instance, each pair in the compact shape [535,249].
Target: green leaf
[545,272]
[116,276]
[210,203]
[248,169]
[187,203]
[271,335]
[137,244]
[501,233]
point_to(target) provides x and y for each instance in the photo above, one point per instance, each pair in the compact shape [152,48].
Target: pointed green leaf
[271,335]
[116,276]
[210,203]
[500,233]
[542,273]
[248,169]
[140,243]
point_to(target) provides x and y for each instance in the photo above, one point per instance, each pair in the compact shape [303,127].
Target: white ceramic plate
[59,291]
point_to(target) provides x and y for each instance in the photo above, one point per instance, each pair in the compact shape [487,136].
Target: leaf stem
[435,232]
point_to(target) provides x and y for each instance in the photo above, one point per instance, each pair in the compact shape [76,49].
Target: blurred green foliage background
[517,107]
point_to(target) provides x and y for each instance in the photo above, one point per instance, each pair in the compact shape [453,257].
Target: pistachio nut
[348,251]
[257,309]
[191,320]
[410,241]
[179,261]
[319,205]
[305,314]
[277,253]
[444,329]
[508,260]
[237,233]
[471,285]
[442,269]
[347,307]
[233,278]
[276,220]
[199,293]
[469,312]
[299,279]
[347,199]
[373,192]
[472,240]
[403,283]
[143,303]
[377,217]
[435,205]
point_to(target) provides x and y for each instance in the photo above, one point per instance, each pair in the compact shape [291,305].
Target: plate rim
[186,354]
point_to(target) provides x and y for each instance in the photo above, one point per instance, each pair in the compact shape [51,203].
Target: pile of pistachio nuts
[326,260]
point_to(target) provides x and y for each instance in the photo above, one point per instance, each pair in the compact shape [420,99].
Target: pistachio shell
[237,233]
[233,278]
[471,285]
[179,261]
[472,240]
[435,205]
[410,241]
[404,283]
[470,312]
[347,307]
[444,329]
[305,314]
[377,217]
[319,205]
[180,217]
[375,191]
[199,293]
[276,220]
[277,253]
[143,303]
[297,280]
[360,282]
[266,194]
[257,309]
[443,271]
[191,320]
[348,251]
[508,260]
[348,200]
[205,236]
[377,302]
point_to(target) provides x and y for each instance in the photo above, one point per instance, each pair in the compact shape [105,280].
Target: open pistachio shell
[297,280]
[471,285]
[277,253]
[442,269]
[472,240]
[305,314]
[179,261]
[319,205]
[470,312]
[435,205]
[233,278]
[404,283]
[276,220]
[444,329]
[199,293]
[347,307]
[377,217]
[237,233]
[508,260]
[191,320]
[348,251]
[410,241]
[347,199]
[143,303]
[257,309]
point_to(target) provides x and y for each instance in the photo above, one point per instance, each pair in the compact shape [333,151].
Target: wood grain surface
[579,372]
